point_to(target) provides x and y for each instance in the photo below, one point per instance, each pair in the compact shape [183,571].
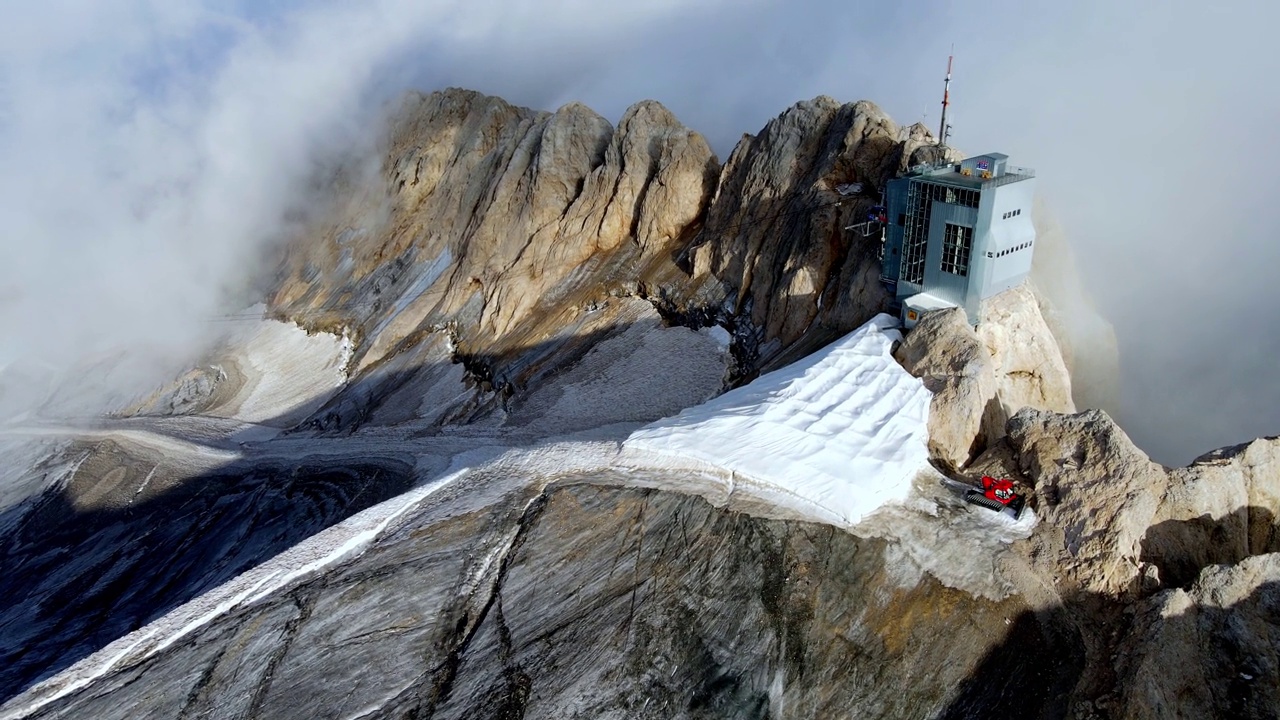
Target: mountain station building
[957,234]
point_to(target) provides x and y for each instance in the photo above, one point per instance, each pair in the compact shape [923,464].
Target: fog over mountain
[153,150]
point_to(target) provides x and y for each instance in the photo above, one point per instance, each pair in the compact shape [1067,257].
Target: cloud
[152,148]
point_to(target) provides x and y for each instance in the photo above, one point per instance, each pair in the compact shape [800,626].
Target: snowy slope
[844,429]
[829,439]
[288,372]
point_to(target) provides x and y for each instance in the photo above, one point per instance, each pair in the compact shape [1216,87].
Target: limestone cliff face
[1209,650]
[1153,567]
[1147,567]
[501,226]
[1220,509]
[774,236]
[981,377]
[512,231]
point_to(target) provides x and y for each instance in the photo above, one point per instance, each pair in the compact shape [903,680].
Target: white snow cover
[845,429]
[289,370]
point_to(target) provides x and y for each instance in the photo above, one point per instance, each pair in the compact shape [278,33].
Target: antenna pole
[946,100]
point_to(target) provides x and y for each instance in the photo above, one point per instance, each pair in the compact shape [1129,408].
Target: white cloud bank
[152,150]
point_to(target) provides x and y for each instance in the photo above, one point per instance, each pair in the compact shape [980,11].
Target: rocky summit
[410,487]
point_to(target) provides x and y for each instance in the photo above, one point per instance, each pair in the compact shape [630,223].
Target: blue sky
[150,145]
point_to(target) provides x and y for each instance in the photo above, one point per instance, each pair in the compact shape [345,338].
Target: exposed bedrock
[514,233]
[1132,541]
[586,602]
[982,377]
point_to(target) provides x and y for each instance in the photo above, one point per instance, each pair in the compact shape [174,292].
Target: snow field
[289,371]
[836,435]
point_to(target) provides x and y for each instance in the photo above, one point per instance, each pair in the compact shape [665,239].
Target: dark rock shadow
[75,580]
[1180,549]
[1029,675]
[1051,661]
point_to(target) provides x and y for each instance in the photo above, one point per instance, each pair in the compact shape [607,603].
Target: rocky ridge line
[517,230]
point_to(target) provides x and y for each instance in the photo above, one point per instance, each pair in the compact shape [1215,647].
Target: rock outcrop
[1120,525]
[1212,650]
[774,235]
[501,224]
[957,368]
[1219,510]
[1150,567]
[982,377]
[1097,494]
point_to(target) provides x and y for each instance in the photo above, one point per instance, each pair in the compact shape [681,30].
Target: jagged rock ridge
[503,227]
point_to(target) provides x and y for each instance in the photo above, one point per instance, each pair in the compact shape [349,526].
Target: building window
[915,233]
[964,197]
[957,241]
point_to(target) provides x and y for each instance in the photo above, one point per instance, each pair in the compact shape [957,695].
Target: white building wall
[1009,241]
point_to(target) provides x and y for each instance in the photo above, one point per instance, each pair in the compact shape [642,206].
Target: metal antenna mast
[944,130]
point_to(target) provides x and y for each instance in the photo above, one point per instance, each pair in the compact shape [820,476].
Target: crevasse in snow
[845,429]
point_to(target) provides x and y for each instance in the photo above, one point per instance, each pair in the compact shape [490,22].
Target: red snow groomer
[996,494]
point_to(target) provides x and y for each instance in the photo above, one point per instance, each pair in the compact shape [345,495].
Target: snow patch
[937,532]
[719,335]
[290,369]
[842,432]
[643,373]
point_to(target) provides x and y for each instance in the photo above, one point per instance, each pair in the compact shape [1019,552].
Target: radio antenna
[943,129]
